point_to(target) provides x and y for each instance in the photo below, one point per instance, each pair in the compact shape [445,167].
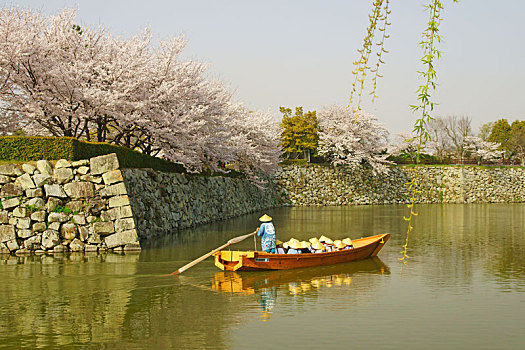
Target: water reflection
[53,301]
[268,285]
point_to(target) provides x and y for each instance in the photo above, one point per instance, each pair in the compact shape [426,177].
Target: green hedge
[19,148]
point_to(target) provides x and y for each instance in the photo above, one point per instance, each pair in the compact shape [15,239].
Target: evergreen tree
[299,137]
[517,140]
[500,133]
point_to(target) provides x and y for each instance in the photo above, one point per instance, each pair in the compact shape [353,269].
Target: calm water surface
[463,288]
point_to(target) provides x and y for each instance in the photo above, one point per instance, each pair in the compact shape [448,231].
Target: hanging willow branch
[430,39]
[378,21]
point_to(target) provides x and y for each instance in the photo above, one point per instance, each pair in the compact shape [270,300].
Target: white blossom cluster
[352,139]
[83,82]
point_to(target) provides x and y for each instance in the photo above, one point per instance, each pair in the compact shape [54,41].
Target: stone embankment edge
[79,206]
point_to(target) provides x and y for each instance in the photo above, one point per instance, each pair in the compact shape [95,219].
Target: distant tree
[500,133]
[440,143]
[299,134]
[457,129]
[484,131]
[516,141]
[353,140]
[482,150]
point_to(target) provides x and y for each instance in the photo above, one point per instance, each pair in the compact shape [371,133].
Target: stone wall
[93,205]
[167,202]
[324,185]
[68,206]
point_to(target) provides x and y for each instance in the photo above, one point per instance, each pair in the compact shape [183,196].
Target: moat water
[462,288]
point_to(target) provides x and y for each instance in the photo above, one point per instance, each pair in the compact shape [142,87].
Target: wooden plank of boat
[251,260]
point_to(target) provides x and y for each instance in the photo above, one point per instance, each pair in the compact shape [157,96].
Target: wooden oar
[205,256]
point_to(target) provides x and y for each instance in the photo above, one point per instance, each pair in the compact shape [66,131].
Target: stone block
[103,164]
[33,242]
[20,212]
[54,226]
[124,224]
[103,228]
[25,181]
[89,248]
[68,231]
[10,203]
[76,246]
[58,217]
[44,167]
[23,223]
[121,238]
[59,249]
[83,170]
[62,163]
[52,204]
[79,163]
[83,233]
[108,215]
[79,219]
[39,216]
[114,190]
[94,239]
[4,218]
[50,239]
[89,178]
[41,179]
[7,232]
[36,203]
[4,179]
[63,175]
[12,245]
[77,190]
[118,201]
[34,192]
[29,168]
[130,247]
[39,227]
[25,233]
[10,170]
[11,190]
[112,177]
[55,191]
[77,206]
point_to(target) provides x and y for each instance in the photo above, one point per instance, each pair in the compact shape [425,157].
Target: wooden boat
[251,260]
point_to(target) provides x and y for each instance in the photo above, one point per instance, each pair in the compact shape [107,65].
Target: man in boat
[267,234]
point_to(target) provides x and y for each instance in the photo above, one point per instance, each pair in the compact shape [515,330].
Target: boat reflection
[266,284]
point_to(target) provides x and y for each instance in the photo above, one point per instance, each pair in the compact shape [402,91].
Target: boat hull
[250,260]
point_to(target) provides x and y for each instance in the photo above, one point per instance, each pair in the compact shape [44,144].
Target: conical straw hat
[295,244]
[347,241]
[265,218]
[278,242]
[339,244]
[317,245]
[313,240]
[305,244]
[328,241]
[323,238]
[285,245]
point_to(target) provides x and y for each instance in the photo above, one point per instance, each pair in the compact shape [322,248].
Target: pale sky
[299,52]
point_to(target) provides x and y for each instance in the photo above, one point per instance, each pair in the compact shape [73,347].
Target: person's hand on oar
[205,256]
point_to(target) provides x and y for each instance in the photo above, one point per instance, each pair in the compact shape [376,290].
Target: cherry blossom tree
[85,83]
[353,140]
[482,150]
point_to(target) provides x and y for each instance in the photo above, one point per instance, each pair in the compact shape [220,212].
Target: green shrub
[18,148]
